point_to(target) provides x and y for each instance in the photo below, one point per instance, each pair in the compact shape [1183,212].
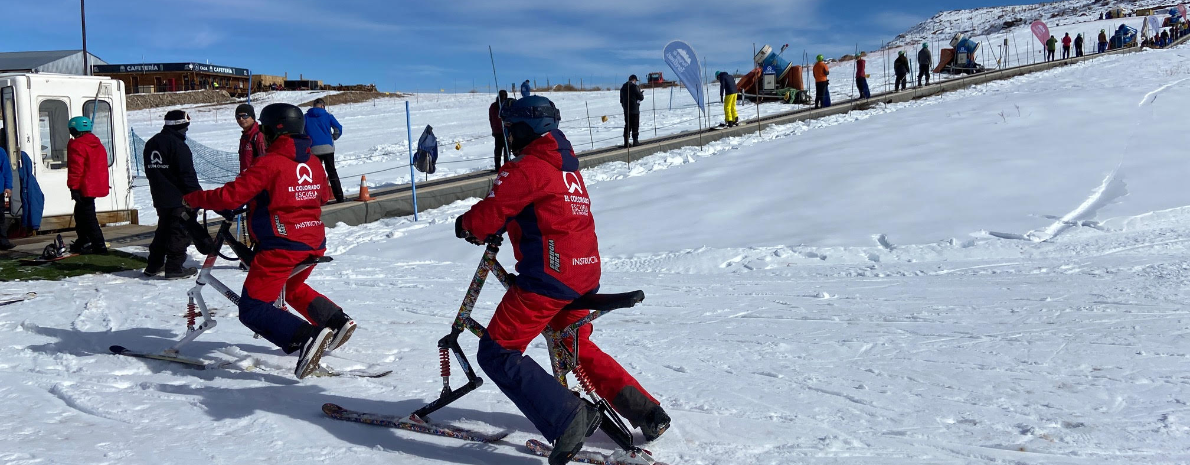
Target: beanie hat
[246,109]
[632,77]
[177,118]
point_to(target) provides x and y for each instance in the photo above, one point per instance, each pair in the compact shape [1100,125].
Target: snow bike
[563,360]
[197,305]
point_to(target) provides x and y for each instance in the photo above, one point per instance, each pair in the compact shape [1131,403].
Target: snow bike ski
[620,457]
[197,306]
[56,250]
[563,360]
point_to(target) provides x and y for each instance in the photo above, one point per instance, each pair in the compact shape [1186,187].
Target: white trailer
[36,108]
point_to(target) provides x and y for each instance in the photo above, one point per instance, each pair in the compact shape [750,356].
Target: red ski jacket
[86,166]
[284,194]
[540,197]
[252,146]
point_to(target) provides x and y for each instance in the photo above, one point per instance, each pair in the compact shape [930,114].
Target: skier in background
[861,77]
[1102,40]
[86,176]
[1078,45]
[541,199]
[324,130]
[1066,41]
[630,98]
[252,144]
[1051,47]
[901,69]
[925,63]
[822,83]
[728,94]
[501,151]
[285,193]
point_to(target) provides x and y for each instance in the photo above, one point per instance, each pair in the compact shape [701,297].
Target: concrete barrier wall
[398,201]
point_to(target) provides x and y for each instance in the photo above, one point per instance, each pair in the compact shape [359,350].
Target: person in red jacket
[252,144]
[285,191]
[1066,46]
[86,176]
[861,77]
[542,201]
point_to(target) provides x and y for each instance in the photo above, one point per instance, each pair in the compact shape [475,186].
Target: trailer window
[101,124]
[53,116]
[8,113]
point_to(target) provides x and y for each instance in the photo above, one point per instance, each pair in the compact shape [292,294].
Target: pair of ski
[418,425]
[322,371]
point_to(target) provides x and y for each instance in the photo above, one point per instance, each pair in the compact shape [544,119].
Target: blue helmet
[80,124]
[535,111]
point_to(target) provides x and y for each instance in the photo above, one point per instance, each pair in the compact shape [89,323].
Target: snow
[995,275]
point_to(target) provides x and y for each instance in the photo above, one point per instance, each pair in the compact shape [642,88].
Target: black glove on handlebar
[463,233]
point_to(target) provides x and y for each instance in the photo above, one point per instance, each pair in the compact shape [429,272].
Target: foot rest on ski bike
[606,302]
[315,260]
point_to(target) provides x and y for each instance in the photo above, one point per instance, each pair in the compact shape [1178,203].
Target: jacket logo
[573,186]
[304,173]
[555,259]
[155,158]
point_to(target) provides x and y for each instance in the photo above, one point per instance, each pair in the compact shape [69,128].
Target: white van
[36,108]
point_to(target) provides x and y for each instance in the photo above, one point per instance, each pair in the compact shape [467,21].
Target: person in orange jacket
[822,98]
[86,176]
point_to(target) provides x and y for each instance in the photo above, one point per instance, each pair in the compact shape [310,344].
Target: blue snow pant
[862,84]
[268,276]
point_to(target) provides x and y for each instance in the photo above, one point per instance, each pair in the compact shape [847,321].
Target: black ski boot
[655,424]
[584,424]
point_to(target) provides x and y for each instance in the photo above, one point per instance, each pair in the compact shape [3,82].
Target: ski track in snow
[884,327]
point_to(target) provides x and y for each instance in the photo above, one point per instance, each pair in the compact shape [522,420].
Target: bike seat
[606,302]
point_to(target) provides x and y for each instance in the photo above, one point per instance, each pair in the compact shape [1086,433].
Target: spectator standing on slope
[861,77]
[901,69]
[630,98]
[1102,40]
[1078,45]
[925,63]
[1051,47]
[1066,41]
[501,152]
[728,93]
[324,130]
[822,97]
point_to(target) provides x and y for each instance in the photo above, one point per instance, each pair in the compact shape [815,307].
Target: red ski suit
[285,194]
[86,166]
[541,199]
[252,146]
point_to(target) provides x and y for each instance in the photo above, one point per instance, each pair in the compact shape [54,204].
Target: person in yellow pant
[728,92]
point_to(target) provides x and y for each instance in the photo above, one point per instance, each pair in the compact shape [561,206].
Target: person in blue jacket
[6,181]
[324,130]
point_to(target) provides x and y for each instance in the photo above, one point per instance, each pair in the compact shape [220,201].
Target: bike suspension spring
[583,379]
[191,314]
[444,361]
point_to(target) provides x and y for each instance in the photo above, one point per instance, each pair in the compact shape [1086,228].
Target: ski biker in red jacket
[541,199]
[285,190]
[86,176]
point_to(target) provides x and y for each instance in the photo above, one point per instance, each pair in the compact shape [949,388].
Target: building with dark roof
[143,78]
[52,61]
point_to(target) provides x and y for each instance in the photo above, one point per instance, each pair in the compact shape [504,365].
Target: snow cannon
[964,49]
[767,57]
[1124,37]
[961,58]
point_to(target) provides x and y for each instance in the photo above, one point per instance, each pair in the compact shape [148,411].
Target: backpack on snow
[426,158]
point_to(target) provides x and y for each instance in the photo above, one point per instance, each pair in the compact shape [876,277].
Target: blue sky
[443,44]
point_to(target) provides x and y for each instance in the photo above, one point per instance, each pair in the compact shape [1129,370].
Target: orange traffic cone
[363,190]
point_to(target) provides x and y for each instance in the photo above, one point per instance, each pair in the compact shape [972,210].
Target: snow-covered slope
[829,292]
[1001,19]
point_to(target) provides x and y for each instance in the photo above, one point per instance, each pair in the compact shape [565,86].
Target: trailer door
[12,146]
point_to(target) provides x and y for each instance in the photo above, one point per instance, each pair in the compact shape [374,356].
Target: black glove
[335,135]
[76,195]
[463,233]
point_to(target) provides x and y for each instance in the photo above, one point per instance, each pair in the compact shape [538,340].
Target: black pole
[86,60]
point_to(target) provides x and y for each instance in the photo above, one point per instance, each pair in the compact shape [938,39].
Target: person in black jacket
[630,98]
[169,166]
[925,63]
[728,89]
[901,68]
